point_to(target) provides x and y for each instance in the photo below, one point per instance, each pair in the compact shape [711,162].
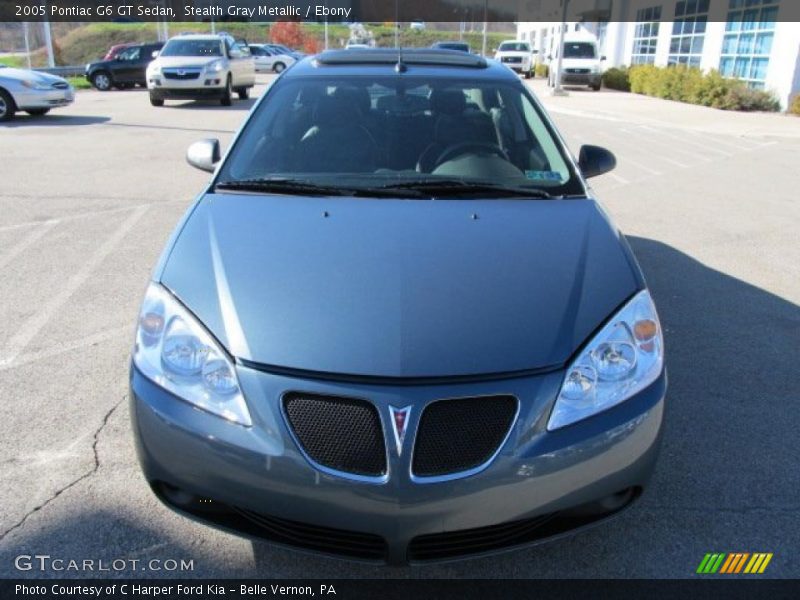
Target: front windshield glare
[579,50]
[358,131]
[192,48]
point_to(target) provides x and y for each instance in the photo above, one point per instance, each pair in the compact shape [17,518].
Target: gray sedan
[34,92]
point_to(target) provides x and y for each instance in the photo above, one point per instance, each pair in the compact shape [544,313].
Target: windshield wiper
[282,186]
[454,187]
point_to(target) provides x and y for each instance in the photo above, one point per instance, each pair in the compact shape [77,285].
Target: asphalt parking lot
[707,199]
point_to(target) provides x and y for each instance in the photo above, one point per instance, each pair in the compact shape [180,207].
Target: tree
[288,33]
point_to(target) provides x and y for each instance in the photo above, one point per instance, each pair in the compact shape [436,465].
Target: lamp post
[27,43]
[485,16]
[558,90]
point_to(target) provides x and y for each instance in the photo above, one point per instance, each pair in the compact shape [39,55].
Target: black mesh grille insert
[440,546]
[458,435]
[339,433]
[319,539]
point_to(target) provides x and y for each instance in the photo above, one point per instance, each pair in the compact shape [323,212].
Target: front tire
[596,86]
[155,100]
[244,93]
[7,106]
[102,81]
[37,112]
[227,97]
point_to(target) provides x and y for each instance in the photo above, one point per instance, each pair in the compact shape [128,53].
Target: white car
[31,91]
[517,55]
[201,66]
[581,64]
[269,60]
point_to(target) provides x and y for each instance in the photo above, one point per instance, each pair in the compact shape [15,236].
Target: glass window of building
[645,37]
[688,33]
[747,45]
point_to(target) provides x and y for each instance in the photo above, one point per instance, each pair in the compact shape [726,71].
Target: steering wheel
[455,150]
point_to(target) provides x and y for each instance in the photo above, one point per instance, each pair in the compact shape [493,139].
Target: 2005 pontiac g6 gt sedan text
[397,326]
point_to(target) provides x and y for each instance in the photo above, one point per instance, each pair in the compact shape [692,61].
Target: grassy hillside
[91,41]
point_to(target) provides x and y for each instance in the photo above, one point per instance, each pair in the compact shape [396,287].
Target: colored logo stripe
[734,562]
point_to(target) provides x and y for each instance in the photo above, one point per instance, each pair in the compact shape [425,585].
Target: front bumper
[204,86]
[536,476]
[592,79]
[53,98]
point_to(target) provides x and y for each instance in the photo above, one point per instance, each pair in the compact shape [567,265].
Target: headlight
[35,85]
[625,357]
[215,66]
[174,350]
[154,69]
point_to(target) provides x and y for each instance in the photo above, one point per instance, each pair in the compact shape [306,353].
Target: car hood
[184,61]
[521,54]
[26,75]
[394,288]
[579,63]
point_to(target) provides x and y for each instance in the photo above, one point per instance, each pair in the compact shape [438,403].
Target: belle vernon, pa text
[204,590]
[251,12]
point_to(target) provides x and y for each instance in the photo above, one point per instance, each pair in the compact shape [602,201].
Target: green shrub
[617,79]
[689,84]
[541,70]
[794,107]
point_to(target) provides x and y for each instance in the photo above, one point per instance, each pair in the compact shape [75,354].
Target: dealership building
[744,39]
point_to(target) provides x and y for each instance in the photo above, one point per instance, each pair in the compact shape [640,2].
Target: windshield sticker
[543,175]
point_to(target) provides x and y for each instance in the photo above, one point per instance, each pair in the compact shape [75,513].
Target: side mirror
[204,155]
[549,57]
[602,58]
[594,161]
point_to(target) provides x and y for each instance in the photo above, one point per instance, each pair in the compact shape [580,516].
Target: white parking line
[672,161]
[27,241]
[91,340]
[686,139]
[34,325]
[83,215]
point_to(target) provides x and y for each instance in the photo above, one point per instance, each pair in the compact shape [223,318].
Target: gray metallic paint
[400,288]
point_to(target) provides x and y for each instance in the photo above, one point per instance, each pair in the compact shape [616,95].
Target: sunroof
[389,56]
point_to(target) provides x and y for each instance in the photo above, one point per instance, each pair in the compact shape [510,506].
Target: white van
[581,65]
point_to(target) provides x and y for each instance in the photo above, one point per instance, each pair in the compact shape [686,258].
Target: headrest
[334,110]
[358,96]
[448,102]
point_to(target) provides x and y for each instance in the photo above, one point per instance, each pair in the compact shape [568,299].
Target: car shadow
[53,120]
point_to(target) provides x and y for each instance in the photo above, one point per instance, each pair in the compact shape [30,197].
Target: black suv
[124,71]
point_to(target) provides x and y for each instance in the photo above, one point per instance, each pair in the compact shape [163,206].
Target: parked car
[281,49]
[201,66]
[268,60]
[328,359]
[518,56]
[417,25]
[356,46]
[31,91]
[458,46]
[581,64]
[116,49]
[124,71]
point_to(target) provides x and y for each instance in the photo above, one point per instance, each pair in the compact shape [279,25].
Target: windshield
[376,132]
[192,48]
[514,47]
[579,50]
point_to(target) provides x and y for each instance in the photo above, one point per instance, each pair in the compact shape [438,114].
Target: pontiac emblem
[399,425]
